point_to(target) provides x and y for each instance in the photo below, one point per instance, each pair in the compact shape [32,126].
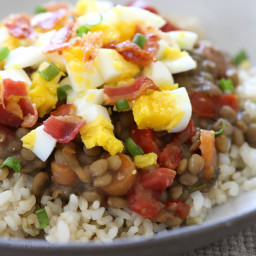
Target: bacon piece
[13,88]
[52,20]
[16,109]
[132,53]
[63,128]
[19,26]
[169,26]
[128,92]
[152,45]
[29,112]
[142,4]
[8,118]
[65,110]
[59,41]
[53,6]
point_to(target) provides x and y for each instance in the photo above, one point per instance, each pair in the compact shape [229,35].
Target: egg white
[185,39]
[182,99]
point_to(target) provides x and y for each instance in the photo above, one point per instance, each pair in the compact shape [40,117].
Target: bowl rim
[223,227]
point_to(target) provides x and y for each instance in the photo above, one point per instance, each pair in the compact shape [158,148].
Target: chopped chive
[240,57]
[227,85]
[39,9]
[140,40]
[13,163]
[82,30]
[62,91]
[197,187]
[221,130]
[122,105]
[50,72]
[95,22]
[4,52]
[216,174]
[133,148]
[42,218]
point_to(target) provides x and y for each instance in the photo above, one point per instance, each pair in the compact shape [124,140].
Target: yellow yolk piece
[86,6]
[158,111]
[145,160]
[100,133]
[44,93]
[29,140]
[172,53]
[169,87]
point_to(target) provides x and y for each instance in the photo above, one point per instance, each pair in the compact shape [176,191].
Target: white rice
[80,221]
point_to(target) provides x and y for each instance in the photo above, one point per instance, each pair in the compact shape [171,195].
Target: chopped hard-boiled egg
[100,133]
[40,143]
[84,100]
[185,39]
[44,39]
[16,74]
[163,111]
[182,64]
[161,76]
[44,93]
[81,78]
[146,160]
[7,40]
[134,14]
[89,6]
[113,67]
[24,57]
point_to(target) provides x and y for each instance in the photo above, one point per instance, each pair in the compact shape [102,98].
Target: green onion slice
[226,85]
[82,30]
[42,218]
[39,9]
[95,20]
[62,91]
[197,187]
[133,148]
[240,57]
[140,40]
[221,130]
[4,52]
[50,72]
[13,163]
[122,105]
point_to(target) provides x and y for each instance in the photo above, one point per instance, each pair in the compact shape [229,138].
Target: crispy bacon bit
[60,41]
[52,20]
[11,88]
[128,92]
[19,26]
[90,44]
[169,26]
[152,45]
[16,109]
[63,128]
[142,4]
[53,6]
[65,110]
[132,53]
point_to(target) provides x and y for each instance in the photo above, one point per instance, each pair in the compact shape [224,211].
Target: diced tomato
[144,202]
[146,139]
[158,180]
[209,106]
[129,92]
[181,209]
[171,155]
[209,153]
[142,4]
[186,135]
